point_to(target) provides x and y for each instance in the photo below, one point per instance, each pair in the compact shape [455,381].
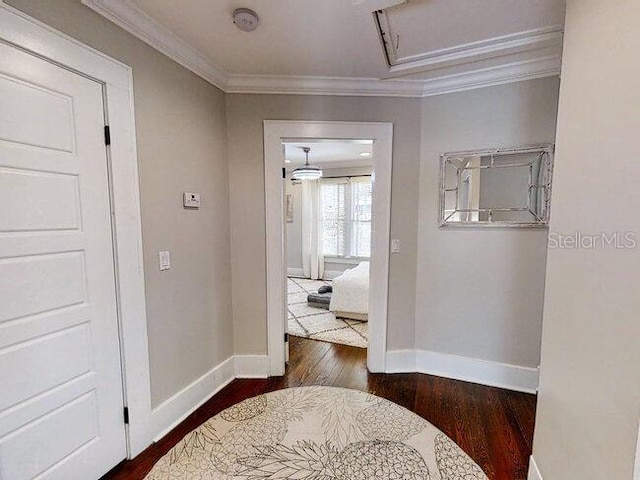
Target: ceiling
[329,153]
[335,44]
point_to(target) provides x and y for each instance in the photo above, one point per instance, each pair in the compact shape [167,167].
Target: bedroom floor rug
[316,433]
[318,323]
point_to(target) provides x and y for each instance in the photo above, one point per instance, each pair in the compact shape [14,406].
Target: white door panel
[32,126]
[61,395]
[36,362]
[31,284]
[35,211]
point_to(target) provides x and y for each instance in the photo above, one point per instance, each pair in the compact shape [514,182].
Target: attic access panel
[438,33]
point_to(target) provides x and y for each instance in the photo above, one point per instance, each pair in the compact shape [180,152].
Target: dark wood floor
[494,426]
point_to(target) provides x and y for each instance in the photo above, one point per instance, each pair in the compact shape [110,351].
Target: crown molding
[339,86]
[497,75]
[128,16]
[371,87]
[512,44]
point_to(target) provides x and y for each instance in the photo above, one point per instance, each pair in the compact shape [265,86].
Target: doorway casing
[275,132]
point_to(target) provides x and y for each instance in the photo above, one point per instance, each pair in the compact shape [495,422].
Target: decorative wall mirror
[507,187]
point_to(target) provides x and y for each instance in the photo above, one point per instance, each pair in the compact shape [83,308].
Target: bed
[350,296]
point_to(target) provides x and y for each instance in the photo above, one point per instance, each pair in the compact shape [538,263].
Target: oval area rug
[316,433]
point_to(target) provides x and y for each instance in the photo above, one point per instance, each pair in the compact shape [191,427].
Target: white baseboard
[534,471]
[636,470]
[295,272]
[175,409]
[331,274]
[299,273]
[511,377]
[401,361]
[251,366]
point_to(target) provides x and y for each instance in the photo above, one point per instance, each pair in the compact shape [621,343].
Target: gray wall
[294,229]
[589,402]
[245,114]
[180,122]
[479,292]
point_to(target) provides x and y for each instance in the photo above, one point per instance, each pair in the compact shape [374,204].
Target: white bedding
[351,291]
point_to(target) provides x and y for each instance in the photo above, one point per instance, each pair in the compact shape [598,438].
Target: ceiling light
[364,154]
[287,161]
[245,19]
[307,172]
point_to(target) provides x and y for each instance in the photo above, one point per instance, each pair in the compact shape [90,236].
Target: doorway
[279,134]
[328,192]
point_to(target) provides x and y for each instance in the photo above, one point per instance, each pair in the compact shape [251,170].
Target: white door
[61,401]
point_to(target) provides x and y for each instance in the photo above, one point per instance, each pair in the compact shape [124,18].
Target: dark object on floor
[320,299]
[325,289]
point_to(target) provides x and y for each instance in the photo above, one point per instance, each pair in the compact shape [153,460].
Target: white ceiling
[329,153]
[316,39]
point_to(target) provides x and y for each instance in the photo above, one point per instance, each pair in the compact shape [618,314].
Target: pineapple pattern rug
[316,433]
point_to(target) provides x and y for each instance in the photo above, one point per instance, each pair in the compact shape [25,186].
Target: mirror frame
[545,150]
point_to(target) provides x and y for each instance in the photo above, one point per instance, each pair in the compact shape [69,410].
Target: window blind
[346,216]
[334,214]
[361,195]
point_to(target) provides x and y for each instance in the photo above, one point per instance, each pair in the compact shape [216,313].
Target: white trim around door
[382,135]
[636,470]
[30,35]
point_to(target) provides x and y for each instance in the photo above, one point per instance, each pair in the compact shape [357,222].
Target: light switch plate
[191,200]
[164,260]
[395,245]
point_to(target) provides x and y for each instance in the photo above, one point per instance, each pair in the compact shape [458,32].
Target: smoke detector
[245,19]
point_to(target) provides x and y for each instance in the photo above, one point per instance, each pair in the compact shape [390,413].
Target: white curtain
[312,255]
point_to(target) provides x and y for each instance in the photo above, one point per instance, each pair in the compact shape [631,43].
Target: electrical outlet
[191,200]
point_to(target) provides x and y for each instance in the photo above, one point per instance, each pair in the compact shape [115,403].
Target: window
[334,216]
[361,217]
[346,217]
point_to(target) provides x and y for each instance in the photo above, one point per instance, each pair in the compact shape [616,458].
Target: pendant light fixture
[307,172]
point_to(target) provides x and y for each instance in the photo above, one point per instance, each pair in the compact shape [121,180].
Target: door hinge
[107,135]
[284,173]
[286,337]
[126,415]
